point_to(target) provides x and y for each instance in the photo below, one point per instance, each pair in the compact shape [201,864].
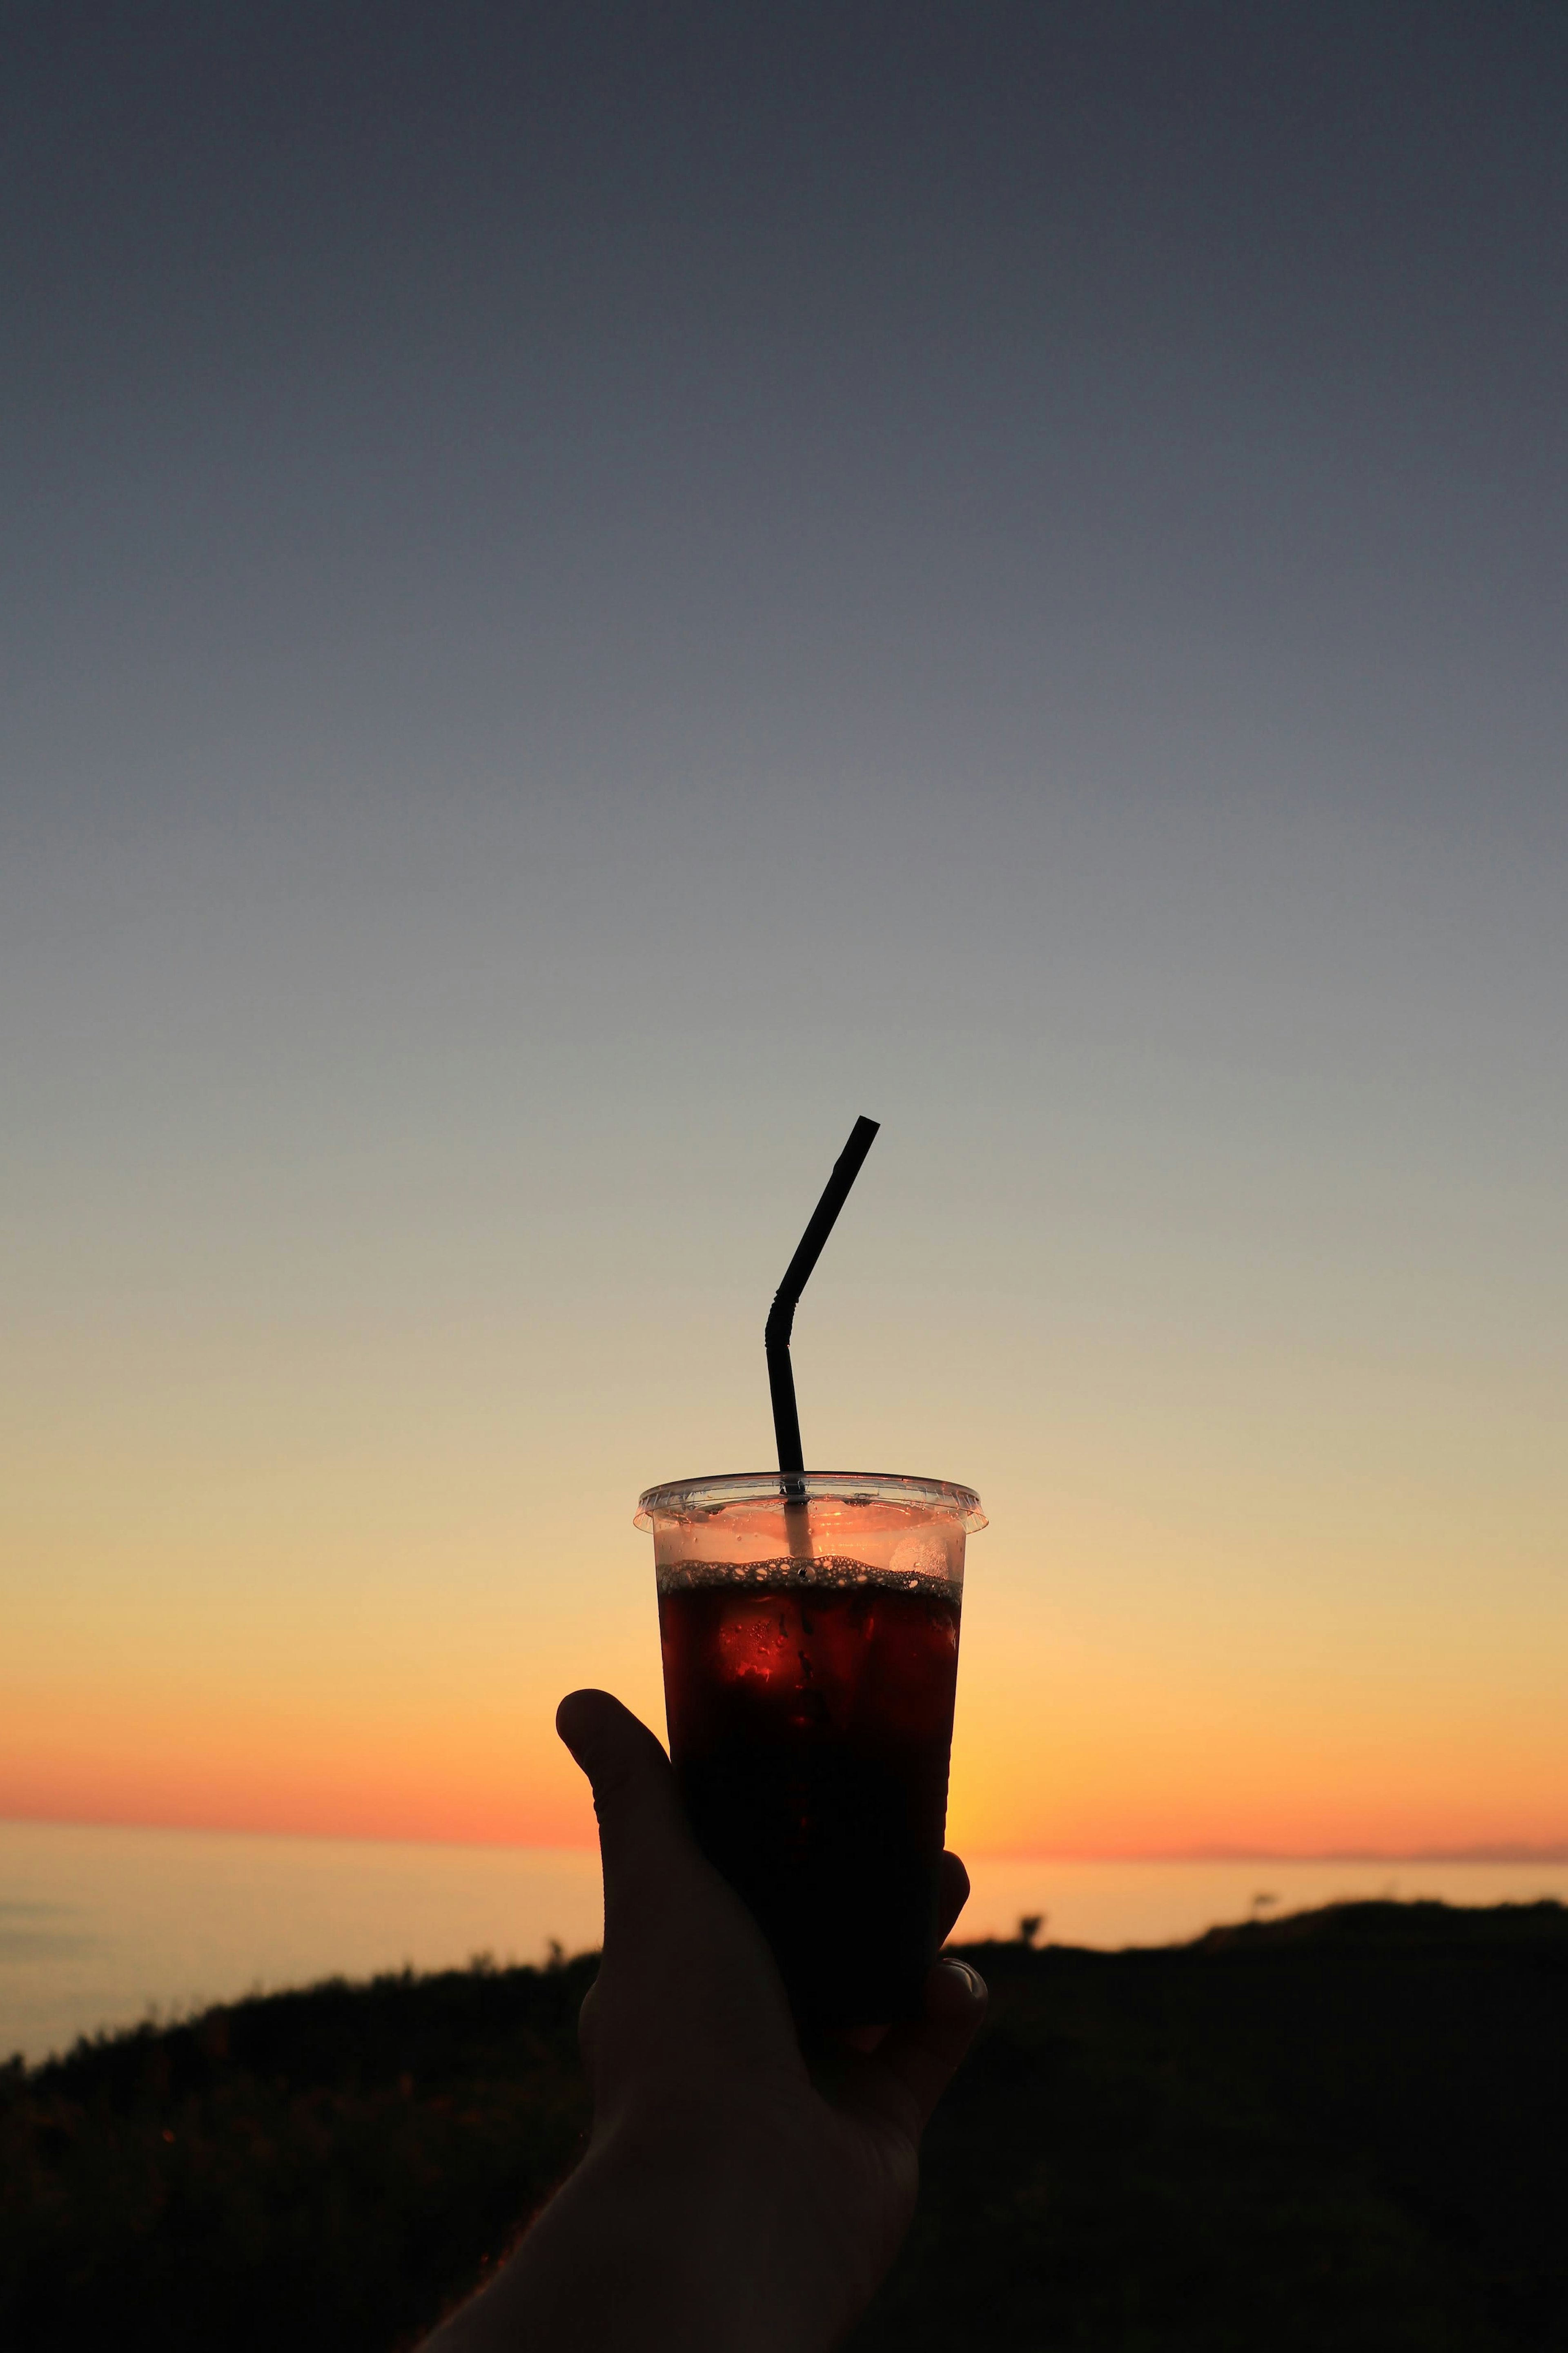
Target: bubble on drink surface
[827,1572]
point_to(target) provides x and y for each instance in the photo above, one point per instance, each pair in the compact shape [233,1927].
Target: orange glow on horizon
[1127,1687]
[1127,1768]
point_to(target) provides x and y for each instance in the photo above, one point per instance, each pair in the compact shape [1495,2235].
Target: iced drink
[810,1662]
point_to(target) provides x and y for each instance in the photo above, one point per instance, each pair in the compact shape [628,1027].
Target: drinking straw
[787,1299]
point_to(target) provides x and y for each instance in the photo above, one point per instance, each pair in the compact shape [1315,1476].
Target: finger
[862,2037]
[952,1894]
[901,2083]
[643,1832]
[694,1986]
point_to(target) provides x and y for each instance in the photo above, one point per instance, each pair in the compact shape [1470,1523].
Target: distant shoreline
[1552,1854]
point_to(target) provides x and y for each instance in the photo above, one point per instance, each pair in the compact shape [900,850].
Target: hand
[727,2199]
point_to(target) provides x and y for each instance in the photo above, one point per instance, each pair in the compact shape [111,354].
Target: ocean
[100,1928]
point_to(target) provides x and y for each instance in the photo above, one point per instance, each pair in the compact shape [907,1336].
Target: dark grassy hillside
[1348,2130]
[1344,2131]
[311,2169]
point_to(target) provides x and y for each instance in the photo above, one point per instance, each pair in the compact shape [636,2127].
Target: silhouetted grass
[323,2169]
[1341,2133]
[1344,2131]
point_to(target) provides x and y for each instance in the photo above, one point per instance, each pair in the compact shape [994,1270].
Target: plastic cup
[810,1639]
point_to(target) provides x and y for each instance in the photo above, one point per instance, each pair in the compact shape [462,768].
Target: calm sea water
[103,1927]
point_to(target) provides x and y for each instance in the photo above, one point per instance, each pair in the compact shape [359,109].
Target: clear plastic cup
[810,1636]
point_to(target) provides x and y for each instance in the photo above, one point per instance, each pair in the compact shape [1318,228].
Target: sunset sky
[592,591]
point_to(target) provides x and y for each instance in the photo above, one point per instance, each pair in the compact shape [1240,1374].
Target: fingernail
[972,1977]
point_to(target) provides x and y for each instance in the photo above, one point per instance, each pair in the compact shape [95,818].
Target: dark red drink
[810,1709]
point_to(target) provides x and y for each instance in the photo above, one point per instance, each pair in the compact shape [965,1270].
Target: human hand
[729,2197]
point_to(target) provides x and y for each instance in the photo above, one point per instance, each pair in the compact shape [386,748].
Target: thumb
[643,1832]
[901,2081]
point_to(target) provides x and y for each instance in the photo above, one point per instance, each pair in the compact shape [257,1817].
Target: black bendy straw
[787,1299]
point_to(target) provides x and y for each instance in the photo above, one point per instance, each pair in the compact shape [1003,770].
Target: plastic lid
[681,1499]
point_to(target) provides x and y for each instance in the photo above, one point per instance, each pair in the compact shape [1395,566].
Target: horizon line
[1553,1852]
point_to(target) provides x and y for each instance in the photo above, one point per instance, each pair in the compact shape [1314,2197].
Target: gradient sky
[589,592]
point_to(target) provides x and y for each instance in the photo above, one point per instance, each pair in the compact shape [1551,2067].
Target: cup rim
[680,1499]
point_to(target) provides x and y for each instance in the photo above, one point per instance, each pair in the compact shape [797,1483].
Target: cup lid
[682,1499]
